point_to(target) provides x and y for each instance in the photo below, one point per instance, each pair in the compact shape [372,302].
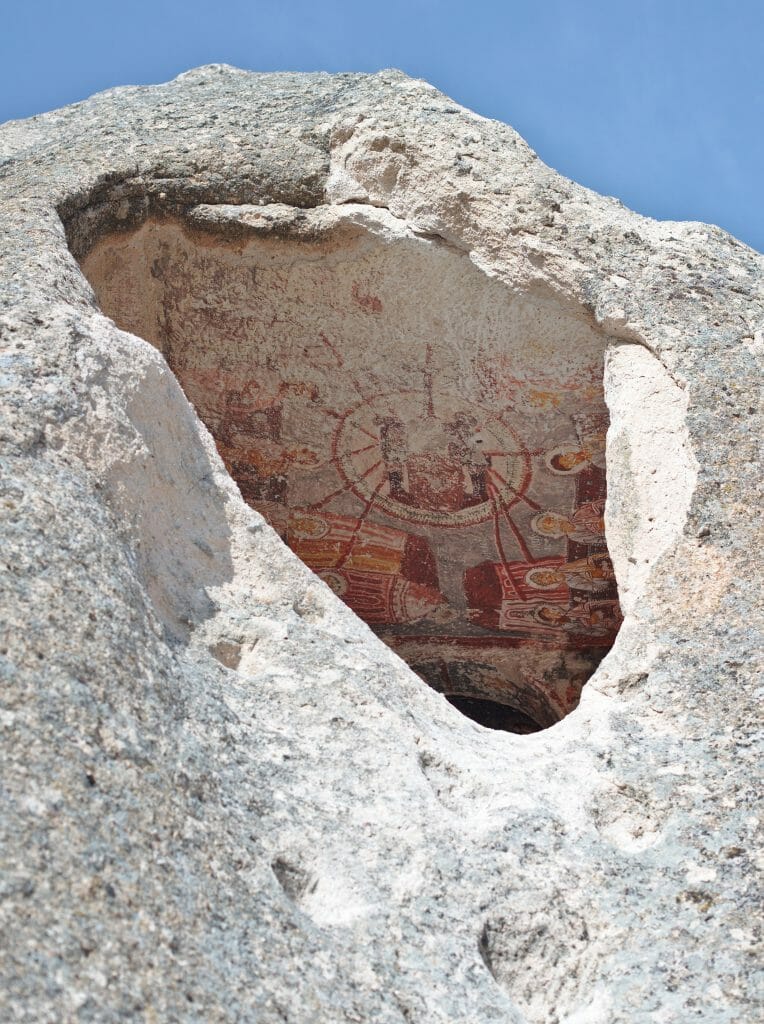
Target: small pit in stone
[430,443]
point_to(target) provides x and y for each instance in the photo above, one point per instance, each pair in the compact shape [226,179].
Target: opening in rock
[493,715]
[429,443]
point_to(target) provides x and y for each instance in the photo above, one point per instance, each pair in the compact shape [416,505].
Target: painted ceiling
[430,444]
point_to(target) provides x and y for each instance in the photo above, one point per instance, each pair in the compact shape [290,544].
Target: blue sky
[657,102]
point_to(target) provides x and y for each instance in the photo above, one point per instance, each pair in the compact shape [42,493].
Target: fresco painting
[446,481]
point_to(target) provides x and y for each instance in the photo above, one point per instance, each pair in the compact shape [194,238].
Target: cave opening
[493,715]
[428,442]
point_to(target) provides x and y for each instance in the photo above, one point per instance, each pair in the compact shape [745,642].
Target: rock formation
[345,313]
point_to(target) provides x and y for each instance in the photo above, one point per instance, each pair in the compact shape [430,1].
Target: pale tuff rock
[224,798]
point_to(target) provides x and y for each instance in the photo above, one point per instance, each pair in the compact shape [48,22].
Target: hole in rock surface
[431,444]
[493,715]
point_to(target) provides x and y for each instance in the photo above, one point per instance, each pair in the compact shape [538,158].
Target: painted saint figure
[575,456]
[385,599]
[437,466]
[595,572]
[586,525]
[595,618]
[387,576]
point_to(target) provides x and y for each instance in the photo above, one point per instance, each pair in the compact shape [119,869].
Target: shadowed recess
[429,442]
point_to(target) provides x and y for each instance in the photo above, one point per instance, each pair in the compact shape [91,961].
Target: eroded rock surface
[225,798]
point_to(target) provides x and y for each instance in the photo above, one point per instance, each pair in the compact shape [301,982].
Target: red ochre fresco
[459,515]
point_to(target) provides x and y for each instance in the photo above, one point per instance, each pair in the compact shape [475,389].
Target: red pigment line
[347,487]
[332,348]
[363,430]
[497,531]
[530,502]
[502,479]
[359,524]
[517,494]
[358,388]
[518,536]
[357,451]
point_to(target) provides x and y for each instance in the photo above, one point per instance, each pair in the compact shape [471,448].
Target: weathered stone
[225,799]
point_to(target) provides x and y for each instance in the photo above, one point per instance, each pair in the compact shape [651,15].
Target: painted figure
[386,599]
[595,618]
[465,449]
[491,584]
[586,525]
[387,576]
[325,540]
[595,572]
[262,473]
[575,456]
[440,467]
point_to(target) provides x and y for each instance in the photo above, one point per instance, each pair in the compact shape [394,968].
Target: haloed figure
[591,617]
[592,573]
[585,525]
